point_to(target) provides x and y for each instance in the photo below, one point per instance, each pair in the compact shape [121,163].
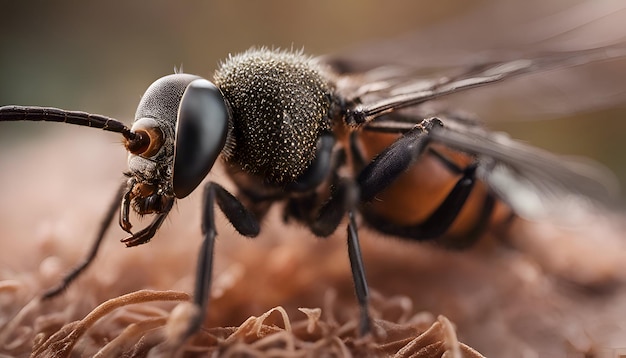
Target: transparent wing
[535,183]
[392,94]
[565,57]
[569,51]
[532,181]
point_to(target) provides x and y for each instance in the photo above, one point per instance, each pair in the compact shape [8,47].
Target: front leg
[146,234]
[243,221]
[76,271]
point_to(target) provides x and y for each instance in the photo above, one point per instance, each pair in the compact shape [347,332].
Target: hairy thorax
[280,103]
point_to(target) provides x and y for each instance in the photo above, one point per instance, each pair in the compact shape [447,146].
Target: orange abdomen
[416,194]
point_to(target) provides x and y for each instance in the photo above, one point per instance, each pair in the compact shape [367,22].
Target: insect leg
[344,199]
[243,221]
[143,236]
[358,275]
[104,226]
[318,170]
[125,207]
[394,160]
[325,220]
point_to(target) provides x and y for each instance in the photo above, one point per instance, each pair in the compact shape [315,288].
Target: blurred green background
[100,56]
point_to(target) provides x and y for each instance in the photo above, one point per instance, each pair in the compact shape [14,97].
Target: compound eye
[201,130]
[150,138]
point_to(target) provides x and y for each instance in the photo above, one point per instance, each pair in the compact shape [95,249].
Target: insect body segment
[280,102]
[431,194]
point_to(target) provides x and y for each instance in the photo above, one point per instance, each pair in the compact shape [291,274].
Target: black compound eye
[201,130]
[147,128]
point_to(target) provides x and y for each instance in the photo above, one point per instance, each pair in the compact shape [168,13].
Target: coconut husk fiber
[548,291]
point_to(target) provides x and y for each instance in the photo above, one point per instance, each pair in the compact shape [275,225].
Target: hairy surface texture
[280,102]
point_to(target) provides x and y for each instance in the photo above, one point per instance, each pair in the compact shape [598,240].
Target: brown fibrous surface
[549,290]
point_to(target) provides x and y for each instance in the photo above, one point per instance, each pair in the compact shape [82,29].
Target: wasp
[292,130]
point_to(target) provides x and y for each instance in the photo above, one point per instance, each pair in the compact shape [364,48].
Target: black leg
[318,170]
[104,226]
[344,197]
[358,159]
[381,172]
[146,234]
[395,160]
[242,220]
[358,275]
[324,219]
[204,268]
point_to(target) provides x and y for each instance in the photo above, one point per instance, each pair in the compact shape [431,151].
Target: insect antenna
[133,140]
[76,271]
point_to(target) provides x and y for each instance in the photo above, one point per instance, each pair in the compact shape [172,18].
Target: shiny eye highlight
[149,138]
